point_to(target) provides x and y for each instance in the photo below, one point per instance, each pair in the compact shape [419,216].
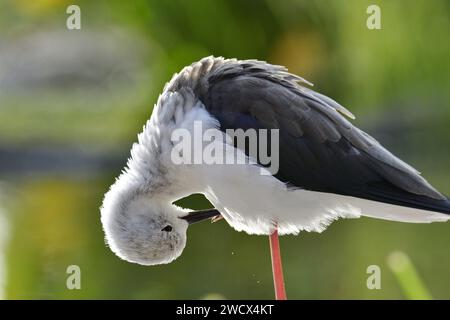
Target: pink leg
[277,268]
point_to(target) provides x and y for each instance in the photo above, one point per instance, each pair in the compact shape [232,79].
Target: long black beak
[200,215]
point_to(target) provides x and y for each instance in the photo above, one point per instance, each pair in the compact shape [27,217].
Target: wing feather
[320,150]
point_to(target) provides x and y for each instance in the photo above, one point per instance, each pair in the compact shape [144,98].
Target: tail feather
[404,198]
[385,211]
[399,205]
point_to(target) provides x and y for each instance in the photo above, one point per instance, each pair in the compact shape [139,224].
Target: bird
[328,168]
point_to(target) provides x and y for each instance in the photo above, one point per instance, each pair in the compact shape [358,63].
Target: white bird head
[139,229]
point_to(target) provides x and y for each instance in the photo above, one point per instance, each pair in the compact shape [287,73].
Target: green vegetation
[394,80]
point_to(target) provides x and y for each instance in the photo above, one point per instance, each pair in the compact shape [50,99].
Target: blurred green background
[72,102]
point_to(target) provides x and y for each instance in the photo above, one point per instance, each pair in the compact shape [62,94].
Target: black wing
[319,149]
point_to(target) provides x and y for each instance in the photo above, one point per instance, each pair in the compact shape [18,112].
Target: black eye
[167,228]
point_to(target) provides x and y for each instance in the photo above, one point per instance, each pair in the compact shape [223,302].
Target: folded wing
[320,150]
